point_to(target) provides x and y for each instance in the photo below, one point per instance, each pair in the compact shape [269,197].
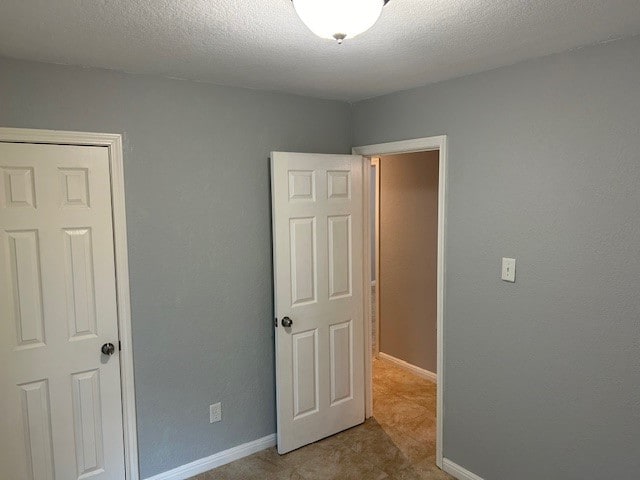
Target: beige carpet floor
[398,443]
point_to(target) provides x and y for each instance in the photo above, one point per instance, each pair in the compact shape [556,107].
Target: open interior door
[317,241]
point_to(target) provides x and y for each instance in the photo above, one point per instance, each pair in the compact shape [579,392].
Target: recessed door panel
[303,260]
[339,184]
[305,373]
[341,352]
[37,430]
[87,422]
[339,233]
[74,187]
[18,187]
[23,254]
[81,305]
[302,185]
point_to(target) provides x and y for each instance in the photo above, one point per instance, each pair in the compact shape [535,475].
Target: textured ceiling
[262,43]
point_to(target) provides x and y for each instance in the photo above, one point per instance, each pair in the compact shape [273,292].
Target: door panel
[24,279]
[19,189]
[341,349]
[303,260]
[81,307]
[305,373]
[339,240]
[87,421]
[59,395]
[37,429]
[317,215]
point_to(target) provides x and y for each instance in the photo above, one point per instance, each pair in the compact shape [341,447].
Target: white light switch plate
[215,412]
[509,269]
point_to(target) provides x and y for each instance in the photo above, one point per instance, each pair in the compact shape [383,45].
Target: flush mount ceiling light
[339,19]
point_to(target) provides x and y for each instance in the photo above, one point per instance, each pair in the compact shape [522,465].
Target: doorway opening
[324,355]
[404,273]
[403,292]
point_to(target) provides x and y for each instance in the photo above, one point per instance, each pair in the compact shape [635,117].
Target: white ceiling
[262,43]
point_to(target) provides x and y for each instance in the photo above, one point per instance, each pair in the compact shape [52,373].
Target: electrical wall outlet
[215,412]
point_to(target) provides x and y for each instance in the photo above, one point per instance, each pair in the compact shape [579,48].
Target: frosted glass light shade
[338,19]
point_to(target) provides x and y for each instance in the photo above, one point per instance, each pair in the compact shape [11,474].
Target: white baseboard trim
[421,372]
[457,471]
[221,458]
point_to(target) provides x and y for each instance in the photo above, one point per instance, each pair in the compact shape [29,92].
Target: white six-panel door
[60,402]
[317,230]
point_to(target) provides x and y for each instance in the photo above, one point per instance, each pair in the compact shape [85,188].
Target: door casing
[393,148]
[114,144]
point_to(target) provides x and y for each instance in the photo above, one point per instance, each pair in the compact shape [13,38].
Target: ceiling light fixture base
[339,37]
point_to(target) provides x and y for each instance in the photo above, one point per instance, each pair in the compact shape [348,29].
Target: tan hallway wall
[408,257]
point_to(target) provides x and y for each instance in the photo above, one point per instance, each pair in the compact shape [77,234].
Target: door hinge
[275,322]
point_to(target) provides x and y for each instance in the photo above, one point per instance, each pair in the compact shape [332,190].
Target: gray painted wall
[409,257]
[198,207]
[542,376]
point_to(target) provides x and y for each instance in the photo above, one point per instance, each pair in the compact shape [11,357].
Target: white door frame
[114,143]
[375,164]
[392,148]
